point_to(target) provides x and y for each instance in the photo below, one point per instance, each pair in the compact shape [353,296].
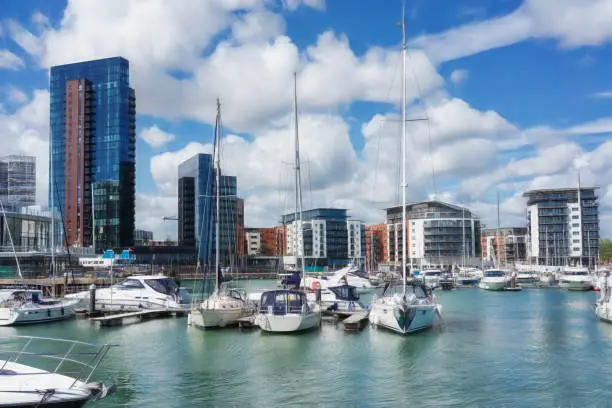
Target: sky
[515,95]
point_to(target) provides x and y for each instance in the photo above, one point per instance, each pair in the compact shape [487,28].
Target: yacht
[137,292]
[576,278]
[26,306]
[405,308]
[447,281]
[527,278]
[468,276]
[33,376]
[341,300]
[494,279]
[222,308]
[287,311]
[603,306]
[348,274]
[431,277]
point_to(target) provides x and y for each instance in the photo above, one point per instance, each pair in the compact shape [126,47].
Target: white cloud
[16,95]
[459,75]
[294,4]
[602,95]
[155,137]
[260,25]
[9,60]
[26,131]
[560,20]
[40,20]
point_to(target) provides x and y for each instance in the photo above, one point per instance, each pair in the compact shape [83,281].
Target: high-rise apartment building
[18,180]
[328,239]
[437,233]
[92,152]
[197,211]
[508,245]
[563,226]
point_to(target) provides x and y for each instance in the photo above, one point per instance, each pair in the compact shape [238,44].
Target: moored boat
[576,279]
[27,306]
[494,279]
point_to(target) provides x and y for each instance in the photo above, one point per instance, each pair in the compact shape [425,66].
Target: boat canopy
[412,287]
[281,302]
[345,292]
[494,273]
[292,280]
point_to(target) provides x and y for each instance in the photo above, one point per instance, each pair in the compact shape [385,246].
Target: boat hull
[492,285]
[211,318]
[36,315]
[288,323]
[578,286]
[413,319]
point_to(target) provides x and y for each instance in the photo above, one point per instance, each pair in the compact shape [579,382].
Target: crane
[171,218]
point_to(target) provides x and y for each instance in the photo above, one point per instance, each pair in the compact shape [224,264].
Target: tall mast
[497,233]
[298,181]
[52,187]
[404,235]
[581,223]
[217,165]
[463,237]
[8,230]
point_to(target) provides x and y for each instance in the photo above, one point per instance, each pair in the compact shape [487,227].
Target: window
[575,217]
[575,225]
[575,209]
[576,241]
[576,233]
[576,249]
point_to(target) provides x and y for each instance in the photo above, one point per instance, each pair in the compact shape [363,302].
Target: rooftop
[556,190]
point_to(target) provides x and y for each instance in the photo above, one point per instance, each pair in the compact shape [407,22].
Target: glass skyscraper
[93,149]
[196,211]
[18,180]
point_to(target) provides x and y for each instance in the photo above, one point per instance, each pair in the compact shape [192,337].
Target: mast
[93,216]
[217,166]
[8,230]
[463,237]
[52,187]
[497,234]
[298,183]
[404,235]
[581,223]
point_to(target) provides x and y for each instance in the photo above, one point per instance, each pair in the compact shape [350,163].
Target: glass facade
[93,143]
[197,214]
[18,180]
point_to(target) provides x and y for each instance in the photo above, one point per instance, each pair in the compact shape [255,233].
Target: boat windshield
[419,291]
[130,284]
[163,285]
[432,273]
[345,292]
[577,273]
[494,274]
[280,302]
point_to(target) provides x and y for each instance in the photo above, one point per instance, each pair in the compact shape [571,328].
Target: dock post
[92,299]
[318,294]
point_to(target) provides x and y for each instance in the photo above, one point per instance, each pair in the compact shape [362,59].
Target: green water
[532,348]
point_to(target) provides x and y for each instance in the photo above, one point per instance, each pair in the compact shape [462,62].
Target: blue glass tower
[93,149]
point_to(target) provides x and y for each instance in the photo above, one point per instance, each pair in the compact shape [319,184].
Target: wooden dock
[118,319]
[356,322]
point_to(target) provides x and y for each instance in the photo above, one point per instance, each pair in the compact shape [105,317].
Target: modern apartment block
[197,211]
[329,239]
[376,246]
[262,241]
[438,234]
[18,180]
[29,229]
[563,226]
[509,244]
[93,152]
[142,237]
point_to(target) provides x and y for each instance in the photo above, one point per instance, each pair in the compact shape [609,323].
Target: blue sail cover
[293,280]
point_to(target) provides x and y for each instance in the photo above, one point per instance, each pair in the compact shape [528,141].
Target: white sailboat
[27,306]
[222,308]
[495,278]
[286,310]
[408,307]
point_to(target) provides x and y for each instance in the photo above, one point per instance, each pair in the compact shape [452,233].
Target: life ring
[315,285]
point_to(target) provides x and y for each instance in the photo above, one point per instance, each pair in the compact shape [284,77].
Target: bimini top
[494,273]
[415,287]
[280,302]
[345,292]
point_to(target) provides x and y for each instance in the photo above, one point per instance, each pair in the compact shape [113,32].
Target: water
[522,349]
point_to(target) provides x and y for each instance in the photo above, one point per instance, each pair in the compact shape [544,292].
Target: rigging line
[420,90]
[377,132]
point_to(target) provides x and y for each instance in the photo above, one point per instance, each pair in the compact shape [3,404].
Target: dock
[117,319]
[356,322]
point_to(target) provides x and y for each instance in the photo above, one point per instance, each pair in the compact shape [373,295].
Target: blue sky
[518,95]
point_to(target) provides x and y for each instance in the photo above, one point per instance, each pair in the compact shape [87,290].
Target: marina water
[530,348]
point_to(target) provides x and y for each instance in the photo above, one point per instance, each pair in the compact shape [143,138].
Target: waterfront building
[330,239]
[142,237]
[197,214]
[510,242]
[438,233]
[376,246]
[18,180]
[253,241]
[563,226]
[29,228]
[93,143]
[264,241]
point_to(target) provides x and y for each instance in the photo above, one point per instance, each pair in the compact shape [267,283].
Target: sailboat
[222,308]
[495,278]
[26,306]
[288,310]
[411,306]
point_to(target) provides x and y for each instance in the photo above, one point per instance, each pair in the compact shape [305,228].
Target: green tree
[605,250]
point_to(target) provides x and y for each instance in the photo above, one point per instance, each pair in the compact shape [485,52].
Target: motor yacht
[447,281]
[576,278]
[45,372]
[341,300]
[137,292]
[349,275]
[26,306]
[287,311]
[527,278]
[405,308]
[494,279]
[431,277]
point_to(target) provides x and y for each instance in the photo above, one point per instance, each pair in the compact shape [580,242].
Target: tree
[605,250]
